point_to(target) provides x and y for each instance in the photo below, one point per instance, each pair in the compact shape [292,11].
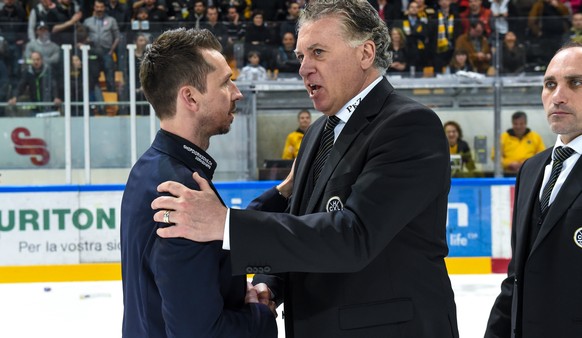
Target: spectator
[141,23]
[217,28]
[458,146]
[141,41]
[460,62]
[104,37]
[518,144]
[390,11]
[234,25]
[198,15]
[62,20]
[444,34]
[238,5]
[119,12]
[575,33]
[253,71]
[286,60]
[548,22]
[51,52]
[293,141]
[37,14]
[416,32]
[499,14]
[258,38]
[476,12]
[425,12]
[476,45]
[288,25]
[513,55]
[77,86]
[4,84]
[273,10]
[96,66]
[37,85]
[12,25]
[400,57]
[156,13]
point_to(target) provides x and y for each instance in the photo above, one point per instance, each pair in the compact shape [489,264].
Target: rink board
[71,233]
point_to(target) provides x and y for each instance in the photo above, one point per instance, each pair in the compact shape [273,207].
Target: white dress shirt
[567,166]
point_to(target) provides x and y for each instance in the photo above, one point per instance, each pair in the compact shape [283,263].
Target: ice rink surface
[94,309]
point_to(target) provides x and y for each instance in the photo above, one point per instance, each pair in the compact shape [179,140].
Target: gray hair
[361,23]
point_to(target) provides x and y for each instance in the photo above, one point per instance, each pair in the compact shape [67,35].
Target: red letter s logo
[33,147]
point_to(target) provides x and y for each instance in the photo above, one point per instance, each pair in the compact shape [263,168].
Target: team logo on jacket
[578,237]
[335,204]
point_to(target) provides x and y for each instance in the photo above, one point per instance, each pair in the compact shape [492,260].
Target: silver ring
[167,216]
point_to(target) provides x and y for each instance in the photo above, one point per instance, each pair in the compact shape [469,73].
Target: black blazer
[365,248]
[542,294]
[176,287]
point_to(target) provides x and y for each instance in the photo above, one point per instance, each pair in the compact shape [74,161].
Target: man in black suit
[361,251]
[541,295]
[176,287]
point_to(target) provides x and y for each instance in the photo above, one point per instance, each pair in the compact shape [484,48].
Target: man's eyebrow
[548,78]
[312,47]
[567,77]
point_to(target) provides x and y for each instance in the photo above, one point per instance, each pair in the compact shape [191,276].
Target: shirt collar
[348,109]
[575,144]
[186,151]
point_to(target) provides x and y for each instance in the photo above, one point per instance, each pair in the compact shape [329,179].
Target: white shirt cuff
[226,239]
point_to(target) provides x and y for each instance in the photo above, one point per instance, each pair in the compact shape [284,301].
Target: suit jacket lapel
[359,120]
[571,189]
[309,147]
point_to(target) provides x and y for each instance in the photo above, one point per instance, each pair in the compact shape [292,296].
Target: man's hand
[286,187]
[260,293]
[196,215]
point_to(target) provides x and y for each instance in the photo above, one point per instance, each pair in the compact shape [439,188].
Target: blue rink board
[469,214]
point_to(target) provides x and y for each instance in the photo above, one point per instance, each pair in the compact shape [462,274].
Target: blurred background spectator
[457,146]
[518,144]
[286,62]
[37,84]
[477,46]
[460,62]
[400,58]
[512,55]
[293,141]
[416,32]
[253,71]
[446,28]
[104,37]
[13,19]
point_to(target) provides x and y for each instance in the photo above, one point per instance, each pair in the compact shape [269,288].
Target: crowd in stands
[429,37]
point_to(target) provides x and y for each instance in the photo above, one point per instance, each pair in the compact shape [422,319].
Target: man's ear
[187,97]
[368,54]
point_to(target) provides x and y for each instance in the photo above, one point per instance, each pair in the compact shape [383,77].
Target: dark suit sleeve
[270,201]
[499,323]
[187,275]
[404,173]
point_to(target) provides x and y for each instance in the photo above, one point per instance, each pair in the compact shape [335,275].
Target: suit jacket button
[249,269]
[267,269]
[255,269]
[261,270]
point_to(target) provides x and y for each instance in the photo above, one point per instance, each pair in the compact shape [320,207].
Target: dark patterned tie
[560,155]
[325,146]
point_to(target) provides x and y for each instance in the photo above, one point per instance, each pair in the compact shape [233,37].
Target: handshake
[260,293]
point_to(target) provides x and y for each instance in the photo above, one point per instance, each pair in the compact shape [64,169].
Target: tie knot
[562,153]
[332,121]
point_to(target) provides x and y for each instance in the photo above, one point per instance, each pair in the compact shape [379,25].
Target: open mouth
[313,88]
